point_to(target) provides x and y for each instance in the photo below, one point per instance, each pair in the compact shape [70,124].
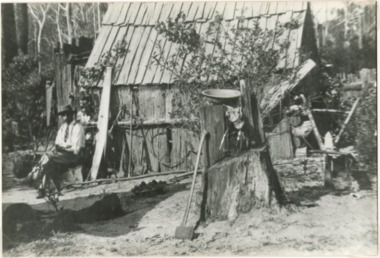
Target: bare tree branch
[34,14]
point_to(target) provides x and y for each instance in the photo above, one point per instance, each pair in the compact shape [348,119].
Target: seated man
[69,143]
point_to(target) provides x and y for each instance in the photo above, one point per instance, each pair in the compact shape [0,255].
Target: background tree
[24,76]
[350,38]
[8,33]
[40,19]
[21,19]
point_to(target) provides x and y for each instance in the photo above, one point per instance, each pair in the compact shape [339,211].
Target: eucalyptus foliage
[219,58]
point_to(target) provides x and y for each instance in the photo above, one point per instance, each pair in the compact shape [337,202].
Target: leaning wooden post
[101,136]
[346,121]
[49,96]
[313,124]
[327,160]
[130,137]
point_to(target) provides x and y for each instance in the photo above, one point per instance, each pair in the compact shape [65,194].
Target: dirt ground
[323,222]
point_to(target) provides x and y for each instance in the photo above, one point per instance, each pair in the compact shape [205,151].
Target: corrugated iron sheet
[134,22]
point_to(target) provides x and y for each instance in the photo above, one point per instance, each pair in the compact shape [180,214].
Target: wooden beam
[328,110]
[152,122]
[353,86]
[49,98]
[313,124]
[108,180]
[101,136]
[346,121]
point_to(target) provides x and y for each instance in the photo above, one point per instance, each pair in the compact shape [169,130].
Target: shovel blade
[183,232]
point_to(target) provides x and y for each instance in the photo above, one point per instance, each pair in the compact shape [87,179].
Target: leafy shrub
[23,99]
[366,127]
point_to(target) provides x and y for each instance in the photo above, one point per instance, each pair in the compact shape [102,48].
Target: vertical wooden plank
[138,163]
[169,92]
[70,84]
[177,154]
[212,120]
[151,106]
[156,141]
[184,148]
[280,142]
[49,96]
[101,136]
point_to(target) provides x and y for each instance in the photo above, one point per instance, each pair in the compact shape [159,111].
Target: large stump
[238,184]
[233,185]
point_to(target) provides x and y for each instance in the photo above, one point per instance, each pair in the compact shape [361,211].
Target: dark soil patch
[22,223]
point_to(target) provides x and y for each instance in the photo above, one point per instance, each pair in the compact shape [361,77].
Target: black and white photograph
[179,128]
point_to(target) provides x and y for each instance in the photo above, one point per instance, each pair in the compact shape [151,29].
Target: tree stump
[237,184]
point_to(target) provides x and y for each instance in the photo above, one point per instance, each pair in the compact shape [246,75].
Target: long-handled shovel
[183,232]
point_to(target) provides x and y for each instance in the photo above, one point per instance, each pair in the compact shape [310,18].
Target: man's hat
[66,109]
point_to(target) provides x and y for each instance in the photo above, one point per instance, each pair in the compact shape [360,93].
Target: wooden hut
[159,142]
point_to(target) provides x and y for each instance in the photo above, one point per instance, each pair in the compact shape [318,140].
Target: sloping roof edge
[276,94]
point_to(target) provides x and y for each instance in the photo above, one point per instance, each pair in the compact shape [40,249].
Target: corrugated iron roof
[134,22]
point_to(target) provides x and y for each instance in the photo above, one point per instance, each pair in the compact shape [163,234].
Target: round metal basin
[221,94]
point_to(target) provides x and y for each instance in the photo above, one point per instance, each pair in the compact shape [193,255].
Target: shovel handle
[204,133]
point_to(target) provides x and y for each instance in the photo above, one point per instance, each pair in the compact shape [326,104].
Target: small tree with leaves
[218,58]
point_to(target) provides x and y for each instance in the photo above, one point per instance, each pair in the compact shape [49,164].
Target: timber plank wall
[155,148]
